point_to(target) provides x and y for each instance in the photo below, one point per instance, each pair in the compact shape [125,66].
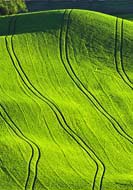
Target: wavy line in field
[57,112]
[32,145]
[121,55]
[36,154]
[118,49]
[89,94]
[101,166]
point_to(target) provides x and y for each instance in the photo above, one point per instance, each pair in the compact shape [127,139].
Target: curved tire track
[7,119]
[121,55]
[100,166]
[35,154]
[119,63]
[57,112]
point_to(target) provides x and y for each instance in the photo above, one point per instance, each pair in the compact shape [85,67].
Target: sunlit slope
[66,102]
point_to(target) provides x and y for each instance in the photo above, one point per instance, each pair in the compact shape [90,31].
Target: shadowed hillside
[66,109]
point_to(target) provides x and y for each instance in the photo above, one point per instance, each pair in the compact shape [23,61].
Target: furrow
[121,56]
[118,53]
[34,149]
[36,153]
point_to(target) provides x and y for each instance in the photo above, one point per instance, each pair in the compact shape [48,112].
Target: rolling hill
[66,101]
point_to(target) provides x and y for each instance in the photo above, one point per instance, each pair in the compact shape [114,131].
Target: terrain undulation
[66,101]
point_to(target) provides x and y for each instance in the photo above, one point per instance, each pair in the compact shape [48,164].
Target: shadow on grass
[35,22]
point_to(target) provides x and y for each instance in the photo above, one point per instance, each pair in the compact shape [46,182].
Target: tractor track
[119,63]
[34,147]
[62,60]
[19,134]
[121,55]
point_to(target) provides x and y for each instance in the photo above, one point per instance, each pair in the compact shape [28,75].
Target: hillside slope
[66,109]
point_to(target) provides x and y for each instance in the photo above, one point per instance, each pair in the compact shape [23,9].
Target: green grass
[66,81]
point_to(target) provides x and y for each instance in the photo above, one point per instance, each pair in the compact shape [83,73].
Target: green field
[66,101]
